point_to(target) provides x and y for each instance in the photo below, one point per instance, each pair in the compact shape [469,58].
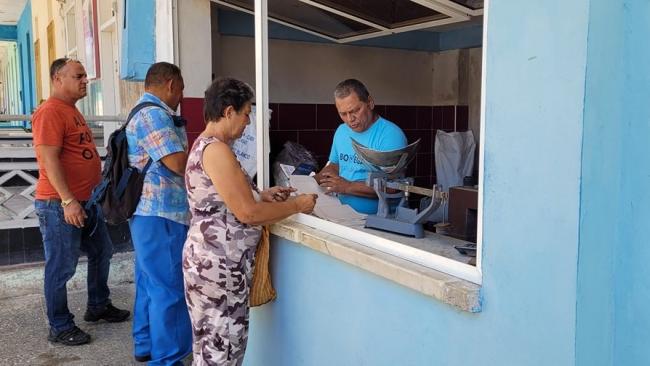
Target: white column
[165,31]
[194,45]
[262,91]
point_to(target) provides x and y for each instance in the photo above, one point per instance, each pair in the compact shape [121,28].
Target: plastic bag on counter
[454,159]
[293,155]
[245,147]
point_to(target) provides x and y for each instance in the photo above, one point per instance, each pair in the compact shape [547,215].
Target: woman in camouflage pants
[227,211]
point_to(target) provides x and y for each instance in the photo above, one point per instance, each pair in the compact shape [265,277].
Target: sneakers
[71,337]
[75,336]
[145,358]
[110,313]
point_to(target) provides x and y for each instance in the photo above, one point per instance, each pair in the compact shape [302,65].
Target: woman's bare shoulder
[218,154]
[218,149]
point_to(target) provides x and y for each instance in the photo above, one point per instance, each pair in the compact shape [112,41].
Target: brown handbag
[262,290]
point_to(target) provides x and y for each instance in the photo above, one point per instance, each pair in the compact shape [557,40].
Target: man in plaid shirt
[161,324]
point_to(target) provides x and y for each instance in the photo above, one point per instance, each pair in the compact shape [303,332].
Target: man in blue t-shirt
[345,174]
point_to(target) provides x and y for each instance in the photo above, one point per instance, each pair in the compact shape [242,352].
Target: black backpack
[118,195]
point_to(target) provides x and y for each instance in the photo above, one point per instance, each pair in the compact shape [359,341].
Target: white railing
[18,160]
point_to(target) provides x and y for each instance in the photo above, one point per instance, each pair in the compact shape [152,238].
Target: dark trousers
[62,243]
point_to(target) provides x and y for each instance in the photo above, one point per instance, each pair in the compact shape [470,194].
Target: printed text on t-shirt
[353,158]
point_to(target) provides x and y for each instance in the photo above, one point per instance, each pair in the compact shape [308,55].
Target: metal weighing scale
[387,172]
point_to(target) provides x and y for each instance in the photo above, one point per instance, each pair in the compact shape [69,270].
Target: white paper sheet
[287,169]
[327,207]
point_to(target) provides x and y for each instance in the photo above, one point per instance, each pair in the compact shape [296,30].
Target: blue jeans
[62,243]
[161,321]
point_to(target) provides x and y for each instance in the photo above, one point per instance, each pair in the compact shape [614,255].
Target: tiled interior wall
[313,126]
[21,246]
[192,111]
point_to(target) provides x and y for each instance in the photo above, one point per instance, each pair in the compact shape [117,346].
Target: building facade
[561,118]
[564,200]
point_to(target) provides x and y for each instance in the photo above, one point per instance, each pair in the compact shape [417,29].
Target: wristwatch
[65,203]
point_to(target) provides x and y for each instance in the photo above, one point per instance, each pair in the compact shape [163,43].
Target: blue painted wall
[138,39]
[613,292]
[601,185]
[632,286]
[26,47]
[235,23]
[330,313]
[566,202]
[7,32]
[535,77]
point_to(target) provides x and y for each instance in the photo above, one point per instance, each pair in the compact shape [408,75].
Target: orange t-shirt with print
[57,123]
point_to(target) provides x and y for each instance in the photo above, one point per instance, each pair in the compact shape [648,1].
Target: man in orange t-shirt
[69,169]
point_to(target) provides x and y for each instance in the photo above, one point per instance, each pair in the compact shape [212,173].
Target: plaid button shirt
[151,133]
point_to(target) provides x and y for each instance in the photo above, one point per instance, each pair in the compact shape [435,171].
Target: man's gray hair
[58,64]
[349,86]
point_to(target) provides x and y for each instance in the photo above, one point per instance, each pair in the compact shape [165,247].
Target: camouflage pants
[217,285]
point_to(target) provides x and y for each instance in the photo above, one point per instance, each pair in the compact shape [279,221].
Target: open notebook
[327,207]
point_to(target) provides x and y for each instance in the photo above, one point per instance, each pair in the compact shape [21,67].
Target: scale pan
[390,162]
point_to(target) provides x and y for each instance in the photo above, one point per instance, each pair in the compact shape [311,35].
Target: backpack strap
[101,188]
[137,109]
[125,179]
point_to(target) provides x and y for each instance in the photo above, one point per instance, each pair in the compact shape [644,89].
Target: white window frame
[71,51]
[434,261]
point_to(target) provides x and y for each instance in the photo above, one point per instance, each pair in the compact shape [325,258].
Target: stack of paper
[327,207]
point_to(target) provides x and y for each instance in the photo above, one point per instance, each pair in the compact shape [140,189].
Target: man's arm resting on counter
[329,178]
[359,189]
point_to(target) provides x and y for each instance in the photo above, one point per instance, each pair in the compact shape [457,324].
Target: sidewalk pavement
[24,328]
